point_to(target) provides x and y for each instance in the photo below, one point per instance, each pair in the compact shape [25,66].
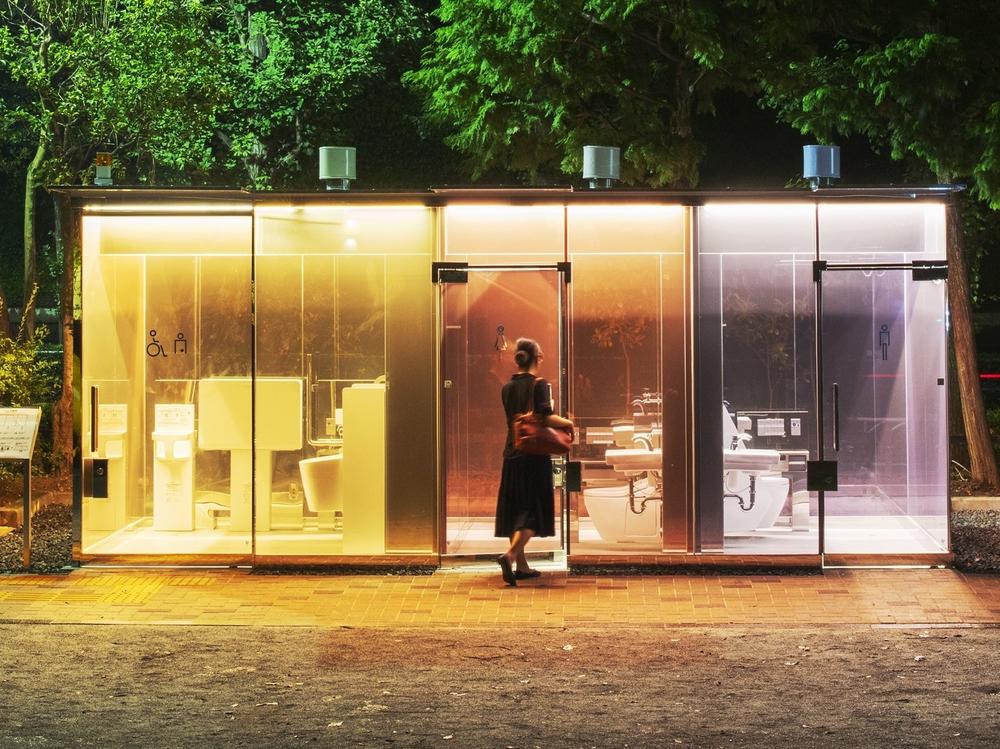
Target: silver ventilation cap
[337,166]
[602,165]
[820,164]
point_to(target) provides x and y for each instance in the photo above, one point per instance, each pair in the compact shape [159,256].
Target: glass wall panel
[166,308]
[505,233]
[876,229]
[348,385]
[628,387]
[756,359]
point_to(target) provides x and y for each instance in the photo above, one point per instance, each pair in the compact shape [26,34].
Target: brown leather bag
[534,437]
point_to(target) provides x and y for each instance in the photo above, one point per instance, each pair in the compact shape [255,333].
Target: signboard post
[18,433]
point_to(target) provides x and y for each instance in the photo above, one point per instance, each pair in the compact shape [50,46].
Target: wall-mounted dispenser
[173,467]
[106,498]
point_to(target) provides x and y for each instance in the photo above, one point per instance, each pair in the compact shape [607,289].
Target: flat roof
[437,196]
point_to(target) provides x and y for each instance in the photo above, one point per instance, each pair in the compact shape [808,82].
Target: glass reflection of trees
[767,314]
[616,314]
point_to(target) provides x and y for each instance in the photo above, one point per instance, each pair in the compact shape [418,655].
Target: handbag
[534,437]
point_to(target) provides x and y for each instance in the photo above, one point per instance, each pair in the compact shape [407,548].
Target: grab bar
[836,417]
[95,404]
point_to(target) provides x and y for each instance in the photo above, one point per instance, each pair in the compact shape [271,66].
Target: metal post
[818,279]
[26,517]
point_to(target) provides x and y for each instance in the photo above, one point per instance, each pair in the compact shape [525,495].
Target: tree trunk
[30,243]
[5,328]
[62,411]
[983,461]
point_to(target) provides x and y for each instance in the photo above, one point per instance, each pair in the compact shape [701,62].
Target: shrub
[27,378]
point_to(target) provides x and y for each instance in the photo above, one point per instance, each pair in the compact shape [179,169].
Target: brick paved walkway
[478,599]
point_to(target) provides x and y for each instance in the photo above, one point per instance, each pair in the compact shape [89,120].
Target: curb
[975,503]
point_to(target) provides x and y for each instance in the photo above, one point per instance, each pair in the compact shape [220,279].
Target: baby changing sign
[18,432]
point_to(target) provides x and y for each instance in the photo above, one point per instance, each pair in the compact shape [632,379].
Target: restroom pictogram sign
[156,349]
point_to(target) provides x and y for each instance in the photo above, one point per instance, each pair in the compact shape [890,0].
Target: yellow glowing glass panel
[536,231]
[169,235]
[325,230]
[168,208]
[626,228]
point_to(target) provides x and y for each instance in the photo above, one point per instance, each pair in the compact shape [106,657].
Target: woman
[525,501]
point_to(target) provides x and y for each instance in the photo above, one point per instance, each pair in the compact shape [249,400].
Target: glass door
[484,310]
[883,372]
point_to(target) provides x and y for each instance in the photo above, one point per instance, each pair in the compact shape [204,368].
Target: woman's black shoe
[527,574]
[507,570]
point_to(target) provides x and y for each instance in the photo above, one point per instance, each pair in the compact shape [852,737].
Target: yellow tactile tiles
[237,597]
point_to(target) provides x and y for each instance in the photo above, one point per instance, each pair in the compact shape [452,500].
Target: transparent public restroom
[314,378]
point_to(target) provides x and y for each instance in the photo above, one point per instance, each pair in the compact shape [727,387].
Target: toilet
[322,487]
[769,498]
[739,463]
[613,519]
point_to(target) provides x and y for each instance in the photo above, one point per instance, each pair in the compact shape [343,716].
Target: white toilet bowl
[615,522]
[322,487]
[769,498]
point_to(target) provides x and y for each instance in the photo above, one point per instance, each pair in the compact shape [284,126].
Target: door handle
[95,404]
[836,417]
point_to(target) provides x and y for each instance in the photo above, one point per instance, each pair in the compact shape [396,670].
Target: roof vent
[602,165]
[337,166]
[820,165]
[102,169]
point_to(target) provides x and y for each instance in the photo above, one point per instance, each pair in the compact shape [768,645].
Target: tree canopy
[131,76]
[523,85]
[297,69]
[919,77]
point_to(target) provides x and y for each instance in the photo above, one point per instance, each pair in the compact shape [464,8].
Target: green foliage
[26,377]
[297,68]
[134,77]
[919,78]
[524,84]
[981,237]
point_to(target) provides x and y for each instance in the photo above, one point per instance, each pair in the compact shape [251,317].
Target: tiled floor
[478,599]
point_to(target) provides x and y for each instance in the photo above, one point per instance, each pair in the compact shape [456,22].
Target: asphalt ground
[720,686]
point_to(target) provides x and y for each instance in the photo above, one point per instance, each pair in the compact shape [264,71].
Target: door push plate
[821,475]
[573,475]
[95,478]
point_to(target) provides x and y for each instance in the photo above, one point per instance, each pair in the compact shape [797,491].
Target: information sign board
[18,432]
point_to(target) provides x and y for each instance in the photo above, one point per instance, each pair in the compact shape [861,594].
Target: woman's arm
[554,420]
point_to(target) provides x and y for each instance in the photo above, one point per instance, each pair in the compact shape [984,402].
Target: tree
[297,68]
[921,79]
[134,77]
[523,85]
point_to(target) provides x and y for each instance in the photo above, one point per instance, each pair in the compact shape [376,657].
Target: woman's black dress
[525,499]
